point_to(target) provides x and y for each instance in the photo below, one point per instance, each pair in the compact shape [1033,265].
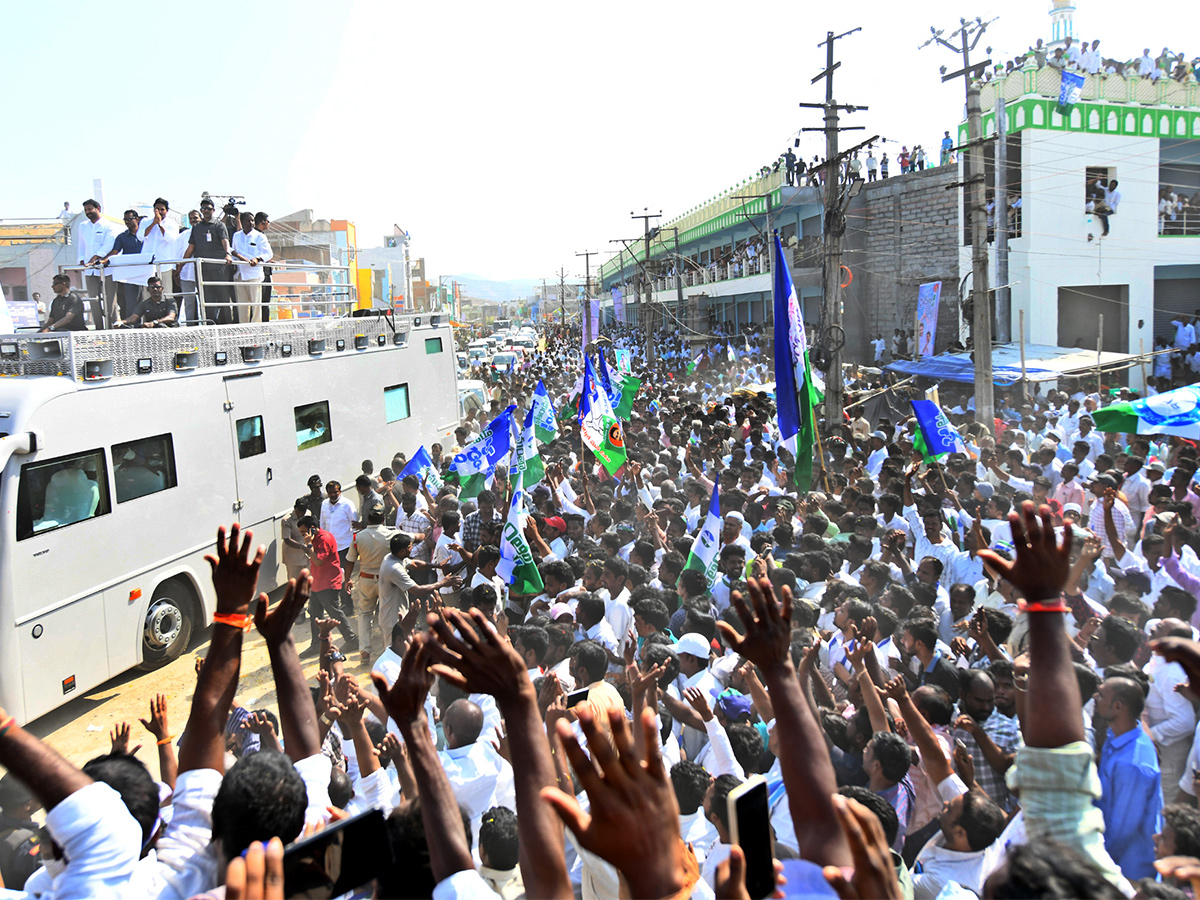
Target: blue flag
[613,390]
[939,436]
[421,465]
[475,464]
[794,390]
[1070,91]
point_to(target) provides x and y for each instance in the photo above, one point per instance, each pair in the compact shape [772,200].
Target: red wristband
[234,620]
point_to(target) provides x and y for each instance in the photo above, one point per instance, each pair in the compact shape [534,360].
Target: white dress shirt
[338,519]
[94,239]
[1168,713]
[480,778]
[252,246]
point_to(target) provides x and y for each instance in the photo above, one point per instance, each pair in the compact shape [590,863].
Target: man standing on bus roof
[210,241]
[93,239]
[338,516]
[251,247]
[325,566]
[368,549]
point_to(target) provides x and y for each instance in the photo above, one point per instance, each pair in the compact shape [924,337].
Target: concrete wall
[900,233]
[1061,244]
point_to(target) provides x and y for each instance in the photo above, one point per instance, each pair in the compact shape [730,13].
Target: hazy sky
[504,137]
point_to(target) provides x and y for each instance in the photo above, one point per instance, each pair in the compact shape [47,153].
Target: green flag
[629,388]
[545,425]
[516,559]
[601,428]
[527,468]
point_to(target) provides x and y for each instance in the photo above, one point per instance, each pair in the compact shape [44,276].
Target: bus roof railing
[97,357]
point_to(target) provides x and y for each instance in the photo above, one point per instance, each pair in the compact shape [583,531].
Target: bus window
[395,402]
[433,345]
[312,425]
[251,440]
[62,491]
[143,467]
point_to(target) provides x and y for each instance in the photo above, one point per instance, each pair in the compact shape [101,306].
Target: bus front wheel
[167,630]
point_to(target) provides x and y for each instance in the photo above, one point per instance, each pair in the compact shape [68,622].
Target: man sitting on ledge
[156,311]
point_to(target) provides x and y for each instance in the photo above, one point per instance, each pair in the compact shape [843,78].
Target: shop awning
[1042,363]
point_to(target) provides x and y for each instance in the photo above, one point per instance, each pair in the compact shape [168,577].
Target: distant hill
[494,291]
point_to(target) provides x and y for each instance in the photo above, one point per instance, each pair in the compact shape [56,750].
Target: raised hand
[767,640]
[235,570]
[1042,564]
[275,625]
[873,875]
[1183,651]
[964,763]
[633,821]
[157,723]
[405,700]
[325,627]
[477,659]
[895,689]
[259,723]
[699,702]
[258,875]
[120,739]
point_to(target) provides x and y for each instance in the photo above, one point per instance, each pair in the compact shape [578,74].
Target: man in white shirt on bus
[159,235]
[250,247]
[94,239]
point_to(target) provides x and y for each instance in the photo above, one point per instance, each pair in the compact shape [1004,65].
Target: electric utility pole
[969,34]
[647,288]
[562,292]
[831,334]
[587,294]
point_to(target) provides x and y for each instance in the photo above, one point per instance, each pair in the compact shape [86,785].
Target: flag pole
[820,449]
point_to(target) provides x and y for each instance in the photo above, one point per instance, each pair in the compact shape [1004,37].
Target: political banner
[1070,91]
[929,297]
[618,305]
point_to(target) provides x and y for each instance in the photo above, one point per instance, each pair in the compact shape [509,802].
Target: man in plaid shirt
[1122,519]
[419,525]
[992,739]
[485,513]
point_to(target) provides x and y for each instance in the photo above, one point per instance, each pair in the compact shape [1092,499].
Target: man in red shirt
[325,567]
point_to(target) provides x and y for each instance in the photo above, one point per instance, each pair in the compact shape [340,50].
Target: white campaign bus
[122,451]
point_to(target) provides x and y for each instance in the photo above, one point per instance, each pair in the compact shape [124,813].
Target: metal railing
[334,297]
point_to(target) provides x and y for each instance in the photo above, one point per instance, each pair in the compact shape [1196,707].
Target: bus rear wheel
[167,630]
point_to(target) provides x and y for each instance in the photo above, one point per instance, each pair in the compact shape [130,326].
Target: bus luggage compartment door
[63,654]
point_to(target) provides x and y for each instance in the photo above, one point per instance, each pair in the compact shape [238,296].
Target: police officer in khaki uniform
[369,547]
[295,547]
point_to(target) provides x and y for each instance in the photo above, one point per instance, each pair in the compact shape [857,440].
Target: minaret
[1062,22]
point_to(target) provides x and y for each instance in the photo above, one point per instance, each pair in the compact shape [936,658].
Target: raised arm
[477,659]
[1054,707]
[405,702]
[297,715]
[168,765]
[807,769]
[235,575]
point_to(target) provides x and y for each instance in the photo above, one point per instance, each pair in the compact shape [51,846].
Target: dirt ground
[80,729]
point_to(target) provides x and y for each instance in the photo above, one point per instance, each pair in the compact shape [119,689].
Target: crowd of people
[232,249]
[1086,57]
[977,674]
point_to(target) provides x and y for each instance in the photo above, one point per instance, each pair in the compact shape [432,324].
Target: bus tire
[170,619]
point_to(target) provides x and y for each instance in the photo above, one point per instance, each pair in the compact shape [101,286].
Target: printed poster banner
[1070,91]
[929,296]
[618,305]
